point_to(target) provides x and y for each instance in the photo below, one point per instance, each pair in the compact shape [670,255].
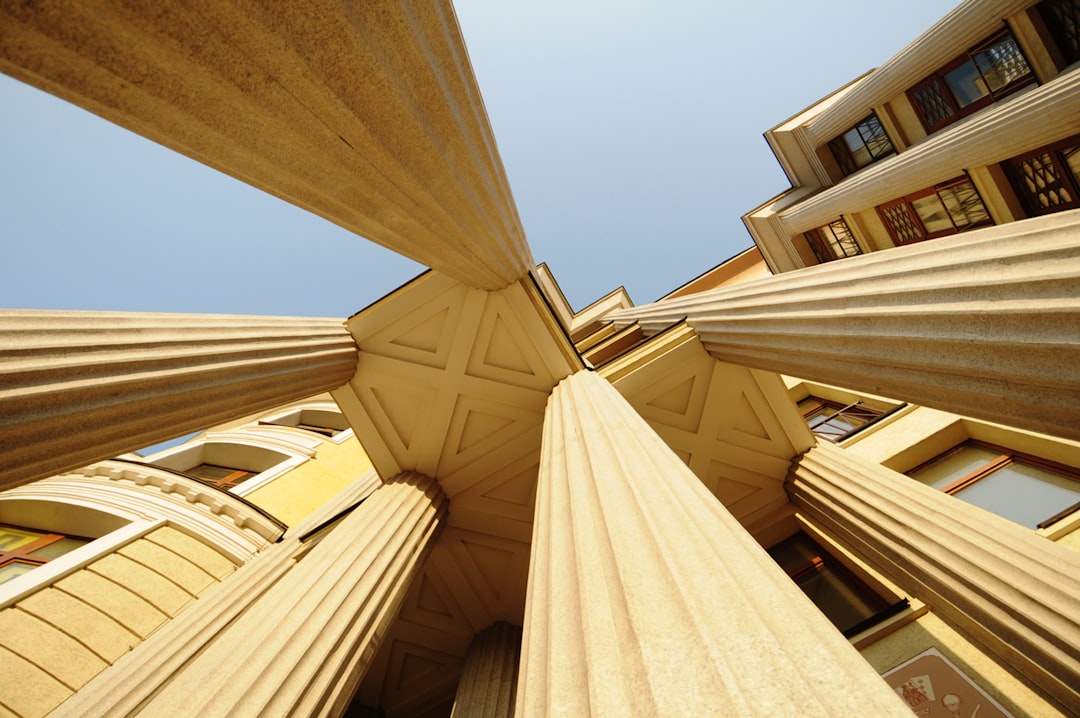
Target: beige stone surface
[129,609]
[646,597]
[489,677]
[366,113]
[48,648]
[78,387]
[193,550]
[189,577]
[147,583]
[1014,592]
[25,689]
[983,324]
[86,624]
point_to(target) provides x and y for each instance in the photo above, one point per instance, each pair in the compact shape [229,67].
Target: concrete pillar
[1047,114]
[985,324]
[303,647]
[1012,591]
[79,387]
[365,113]
[489,679]
[647,598]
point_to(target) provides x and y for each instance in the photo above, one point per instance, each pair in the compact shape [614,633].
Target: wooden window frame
[906,204]
[1055,152]
[857,411]
[946,93]
[845,160]
[1005,457]
[22,553]
[820,245]
[235,478]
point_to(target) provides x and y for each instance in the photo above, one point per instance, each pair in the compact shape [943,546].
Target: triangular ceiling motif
[746,420]
[676,400]
[426,336]
[424,333]
[481,429]
[504,350]
[399,413]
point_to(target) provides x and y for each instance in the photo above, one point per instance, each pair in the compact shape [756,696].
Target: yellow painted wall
[55,640]
[296,494]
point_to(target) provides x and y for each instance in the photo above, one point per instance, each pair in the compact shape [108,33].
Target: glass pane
[1001,63]
[842,243]
[955,466]
[59,548]
[933,214]
[14,570]
[1072,159]
[874,136]
[859,152]
[967,84]
[845,605]
[211,472]
[12,538]
[1023,493]
[964,205]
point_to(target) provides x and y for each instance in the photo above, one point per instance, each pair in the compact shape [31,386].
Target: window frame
[906,204]
[869,416]
[24,554]
[945,92]
[1006,456]
[821,247]
[842,153]
[1071,181]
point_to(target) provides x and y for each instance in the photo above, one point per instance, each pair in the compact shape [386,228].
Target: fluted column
[487,684]
[964,26]
[303,648]
[365,113]
[1011,590]
[647,598]
[78,387]
[1045,114]
[985,324]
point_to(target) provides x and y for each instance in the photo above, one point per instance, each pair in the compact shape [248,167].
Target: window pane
[933,214]
[955,466]
[59,547]
[12,538]
[859,152]
[1072,159]
[1001,63]
[964,205]
[211,472]
[967,84]
[840,240]
[1023,493]
[14,570]
[873,134]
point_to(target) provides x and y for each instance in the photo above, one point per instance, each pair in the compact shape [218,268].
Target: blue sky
[630,131]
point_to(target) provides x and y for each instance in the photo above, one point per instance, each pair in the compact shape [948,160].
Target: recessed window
[970,82]
[22,549]
[224,477]
[847,601]
[1048,179]
[1022,488]
[833,241]
[834,421]
[948,208]
[1062,19]
[863,144]
[327,423]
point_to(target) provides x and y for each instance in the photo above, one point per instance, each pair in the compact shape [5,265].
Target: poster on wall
[935,688]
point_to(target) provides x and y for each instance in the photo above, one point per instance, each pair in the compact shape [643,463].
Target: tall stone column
[79,387]
[647,598]
[303,647]
[365,113]
[1011,590]
[489,679]
[983,324]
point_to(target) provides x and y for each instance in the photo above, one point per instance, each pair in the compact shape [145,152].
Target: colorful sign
[935,688]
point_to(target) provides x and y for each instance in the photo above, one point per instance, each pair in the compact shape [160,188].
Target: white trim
[49,573]
[265,477]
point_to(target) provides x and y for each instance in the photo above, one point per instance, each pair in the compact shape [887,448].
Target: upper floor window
[833,241]
[1062,19]
[22,550]
[1048,179]
[846,600]
[970,82]
[834,421]
[947,208]
[327,423]
[1024,489]
[863,144]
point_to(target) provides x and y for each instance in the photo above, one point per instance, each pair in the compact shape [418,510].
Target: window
[224,477]
[327,423]
[833,241]
[863,144]
[834,421]
[1024,489]
[972,81]
[22,550]
[1048,179]
[1062,19]
[947,208]
[847,601]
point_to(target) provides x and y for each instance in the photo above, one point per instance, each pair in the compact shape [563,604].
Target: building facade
[470,499]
